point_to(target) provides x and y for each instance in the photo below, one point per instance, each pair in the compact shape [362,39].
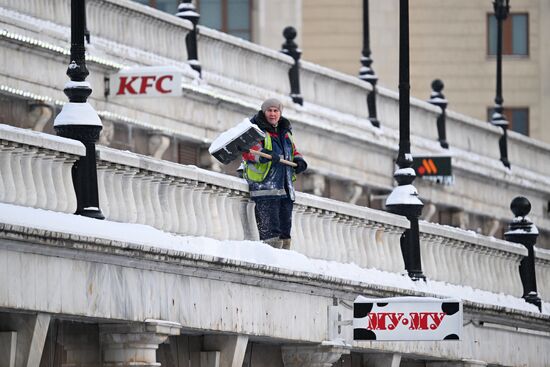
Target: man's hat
[272,102]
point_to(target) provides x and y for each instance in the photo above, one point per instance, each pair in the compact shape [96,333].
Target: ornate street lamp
[502,8]
[404,200]
[78,120]
[186,10]
[366,73]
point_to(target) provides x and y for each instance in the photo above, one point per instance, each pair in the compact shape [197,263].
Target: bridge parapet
[187,200]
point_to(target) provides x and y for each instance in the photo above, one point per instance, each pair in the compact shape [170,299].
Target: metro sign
[153,81]
[407,318]
[434,168]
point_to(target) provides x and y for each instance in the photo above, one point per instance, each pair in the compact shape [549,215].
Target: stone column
[81,342]
[312,356]
[231,350]
[134,344]
[382,360]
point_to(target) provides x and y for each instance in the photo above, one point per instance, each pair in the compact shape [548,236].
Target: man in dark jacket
[271,183]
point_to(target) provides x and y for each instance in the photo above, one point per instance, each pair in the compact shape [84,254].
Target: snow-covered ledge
[120,21]
[192,201]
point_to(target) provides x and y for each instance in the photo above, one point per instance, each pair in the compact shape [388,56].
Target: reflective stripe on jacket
[265,179]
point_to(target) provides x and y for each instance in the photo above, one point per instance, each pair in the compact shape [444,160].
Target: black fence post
[291,48]
[522,230]
[404,200]
[78,120]
[438,99]
[366,73]
[502,8]
[186,10]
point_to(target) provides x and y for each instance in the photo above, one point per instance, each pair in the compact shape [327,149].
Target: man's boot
[275,242]
[286,243]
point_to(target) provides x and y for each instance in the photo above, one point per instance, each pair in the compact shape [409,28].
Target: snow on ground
[245,251]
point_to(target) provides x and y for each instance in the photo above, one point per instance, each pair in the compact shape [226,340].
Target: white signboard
[407,318]
[153,81]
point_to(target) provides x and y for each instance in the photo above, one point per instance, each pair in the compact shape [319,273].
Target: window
[169,6]
[229,16]
[518,119]
[515,35]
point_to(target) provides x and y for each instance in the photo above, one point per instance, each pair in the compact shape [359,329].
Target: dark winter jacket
[279,180]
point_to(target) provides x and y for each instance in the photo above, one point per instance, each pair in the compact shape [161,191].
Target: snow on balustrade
[195,202]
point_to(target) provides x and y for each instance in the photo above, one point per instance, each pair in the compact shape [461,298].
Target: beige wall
[271,17]
[447,41]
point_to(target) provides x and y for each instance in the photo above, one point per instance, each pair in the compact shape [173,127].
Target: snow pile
[246,251]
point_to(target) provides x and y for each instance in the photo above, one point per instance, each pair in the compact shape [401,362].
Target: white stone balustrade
[35,169]
[463,257]
[191,201]
[334,111]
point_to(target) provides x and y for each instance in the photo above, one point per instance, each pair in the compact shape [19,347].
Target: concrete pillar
[312,356]
[81,343]
[8,343]
[231,350]
[134,344]
[158,144]
[25,336]
[382,360]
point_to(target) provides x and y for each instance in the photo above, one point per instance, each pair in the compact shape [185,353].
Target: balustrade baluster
[170,197]
[27,174]
[200,201]
[20,194]
[128,195]
[155,200]
[102,191]
[60,189]
[49,180]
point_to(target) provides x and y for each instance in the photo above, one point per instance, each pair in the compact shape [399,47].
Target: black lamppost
[186,10]
[404,200]
[502,8]
[78,120]
[522,230]
[291,49]
[366,73]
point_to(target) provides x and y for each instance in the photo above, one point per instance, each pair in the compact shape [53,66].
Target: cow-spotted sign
[407,318]
[150,81]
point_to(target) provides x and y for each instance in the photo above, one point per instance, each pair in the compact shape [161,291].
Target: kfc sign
[407,318]
[152,81]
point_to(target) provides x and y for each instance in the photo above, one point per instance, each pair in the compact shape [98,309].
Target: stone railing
[35,169]
[190,201]
[233,89]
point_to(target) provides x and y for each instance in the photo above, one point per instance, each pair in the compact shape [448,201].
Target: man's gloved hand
[274,158]
[302,165]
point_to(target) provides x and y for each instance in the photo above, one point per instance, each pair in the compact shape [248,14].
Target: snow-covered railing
[334,110]
[35,169]
[117,20]
[190,201]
